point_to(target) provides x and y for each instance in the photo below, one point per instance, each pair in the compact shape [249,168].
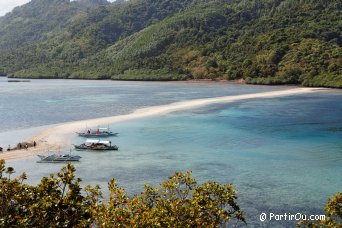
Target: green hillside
[260,41]
[33,23]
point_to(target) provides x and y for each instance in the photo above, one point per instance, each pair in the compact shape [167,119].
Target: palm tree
[10,171]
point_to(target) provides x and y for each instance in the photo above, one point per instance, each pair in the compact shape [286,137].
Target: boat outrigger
[55,158]
[96,144]
[99,132]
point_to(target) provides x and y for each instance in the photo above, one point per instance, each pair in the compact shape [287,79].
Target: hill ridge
[261,41]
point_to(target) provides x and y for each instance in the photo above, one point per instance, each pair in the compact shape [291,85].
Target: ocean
[283,155]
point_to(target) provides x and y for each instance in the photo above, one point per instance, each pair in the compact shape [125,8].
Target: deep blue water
[283,155]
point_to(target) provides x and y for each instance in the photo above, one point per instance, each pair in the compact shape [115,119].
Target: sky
[8,5]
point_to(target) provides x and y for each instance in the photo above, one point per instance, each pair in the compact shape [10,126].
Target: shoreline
[60,136]
[240,81]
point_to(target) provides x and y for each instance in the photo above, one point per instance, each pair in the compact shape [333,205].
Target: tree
[59,201]
[334,214]
[180,202]
[10,171]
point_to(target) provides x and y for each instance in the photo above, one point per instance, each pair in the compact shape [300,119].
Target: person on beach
[26,146]
[9,148]
[34,144]
[20,146]
[1,149]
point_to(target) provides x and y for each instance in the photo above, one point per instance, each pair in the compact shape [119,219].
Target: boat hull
[61,161]
[94,148]
[101,135]
[58,158]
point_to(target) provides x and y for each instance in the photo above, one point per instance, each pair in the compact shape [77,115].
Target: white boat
[96,144]
[99,132]
[56,158]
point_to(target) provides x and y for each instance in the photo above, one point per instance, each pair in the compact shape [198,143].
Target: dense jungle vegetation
[260,41]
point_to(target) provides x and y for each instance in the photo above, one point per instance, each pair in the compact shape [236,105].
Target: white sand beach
[60,136]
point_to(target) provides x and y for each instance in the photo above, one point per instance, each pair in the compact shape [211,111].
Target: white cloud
[8,5]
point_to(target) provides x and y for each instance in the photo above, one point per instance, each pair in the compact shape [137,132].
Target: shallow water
[283,155]
[45,102]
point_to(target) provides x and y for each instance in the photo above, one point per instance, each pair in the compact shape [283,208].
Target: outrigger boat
[96,144]
[55,158]
[99,132]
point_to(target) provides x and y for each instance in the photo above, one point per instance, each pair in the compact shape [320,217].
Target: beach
[59,137]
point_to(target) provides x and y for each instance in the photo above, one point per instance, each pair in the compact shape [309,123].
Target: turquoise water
[44,102]
[30,107]
[283,155]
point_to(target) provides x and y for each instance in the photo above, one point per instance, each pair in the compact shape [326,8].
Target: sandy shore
[60,136]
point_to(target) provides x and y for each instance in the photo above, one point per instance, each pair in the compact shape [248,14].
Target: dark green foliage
[261,41]
[149,75]
[333,217]
[2,72]
[58,201]
[39,19]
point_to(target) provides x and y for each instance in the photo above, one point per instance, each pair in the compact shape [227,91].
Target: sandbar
[60,136]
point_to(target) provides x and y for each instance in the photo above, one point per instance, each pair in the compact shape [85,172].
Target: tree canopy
[59,201]
[260,41]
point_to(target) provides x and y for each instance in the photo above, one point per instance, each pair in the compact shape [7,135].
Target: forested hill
[260,41]
[35,21]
